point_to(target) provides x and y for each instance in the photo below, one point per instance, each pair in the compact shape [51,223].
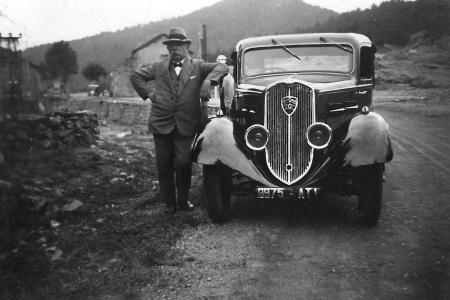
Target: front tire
[217,183]
[370,194]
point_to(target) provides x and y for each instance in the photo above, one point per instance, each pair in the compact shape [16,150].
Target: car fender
[368,140]
[215,142]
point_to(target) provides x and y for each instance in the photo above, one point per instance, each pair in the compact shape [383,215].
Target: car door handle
[362,92]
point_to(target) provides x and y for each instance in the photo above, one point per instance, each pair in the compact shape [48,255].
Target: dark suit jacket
[176,100]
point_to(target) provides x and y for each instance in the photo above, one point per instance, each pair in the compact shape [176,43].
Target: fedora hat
[177,35]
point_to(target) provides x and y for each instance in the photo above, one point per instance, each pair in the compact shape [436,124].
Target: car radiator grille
[288,154]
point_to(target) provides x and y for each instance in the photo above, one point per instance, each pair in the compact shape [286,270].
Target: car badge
[289,103]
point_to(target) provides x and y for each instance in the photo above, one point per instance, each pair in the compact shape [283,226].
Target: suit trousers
[174,166]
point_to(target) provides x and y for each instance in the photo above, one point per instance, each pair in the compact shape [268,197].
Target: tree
[61,61]
[93,71]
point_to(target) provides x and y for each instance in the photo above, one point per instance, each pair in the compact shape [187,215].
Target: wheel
[217,184]
[370,194]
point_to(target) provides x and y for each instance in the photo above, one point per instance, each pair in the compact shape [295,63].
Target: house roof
[146,44]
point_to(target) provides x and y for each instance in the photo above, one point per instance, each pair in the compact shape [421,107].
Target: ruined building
[21,82]
[144,55]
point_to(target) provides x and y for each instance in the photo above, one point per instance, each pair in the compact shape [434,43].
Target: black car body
[301,121]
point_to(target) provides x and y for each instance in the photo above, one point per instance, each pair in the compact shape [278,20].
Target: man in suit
[179,84]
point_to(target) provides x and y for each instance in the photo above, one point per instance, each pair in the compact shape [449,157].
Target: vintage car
[92,89]
[301,121]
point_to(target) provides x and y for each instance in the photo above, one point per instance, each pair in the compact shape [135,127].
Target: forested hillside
[393,22]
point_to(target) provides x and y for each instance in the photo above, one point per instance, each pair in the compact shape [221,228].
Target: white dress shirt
[178,69]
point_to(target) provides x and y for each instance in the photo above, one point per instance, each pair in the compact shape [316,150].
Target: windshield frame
[242,74]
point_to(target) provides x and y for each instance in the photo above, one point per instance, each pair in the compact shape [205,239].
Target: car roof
[354,39]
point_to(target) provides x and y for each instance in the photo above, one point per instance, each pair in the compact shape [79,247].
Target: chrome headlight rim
[330,133]
[247,133]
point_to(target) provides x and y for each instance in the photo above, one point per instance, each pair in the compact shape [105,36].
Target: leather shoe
[186,206]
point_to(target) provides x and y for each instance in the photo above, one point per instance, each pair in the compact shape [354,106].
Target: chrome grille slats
[288,133]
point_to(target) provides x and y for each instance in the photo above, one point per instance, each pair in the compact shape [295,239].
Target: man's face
[178,51]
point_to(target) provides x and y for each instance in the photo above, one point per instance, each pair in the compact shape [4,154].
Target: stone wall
[129,111]
[58,130]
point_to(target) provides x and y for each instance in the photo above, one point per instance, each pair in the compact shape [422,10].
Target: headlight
[256,137]
[318,135]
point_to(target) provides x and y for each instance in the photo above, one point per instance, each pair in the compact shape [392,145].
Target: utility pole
[203,44]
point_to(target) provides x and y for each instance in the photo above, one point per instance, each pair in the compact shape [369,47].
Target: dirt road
[120,245]
[317,250]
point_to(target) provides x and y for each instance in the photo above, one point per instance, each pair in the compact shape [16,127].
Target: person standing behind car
[179,84]
[227,90]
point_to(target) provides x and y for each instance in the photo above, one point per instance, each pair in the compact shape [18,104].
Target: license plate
[274,193]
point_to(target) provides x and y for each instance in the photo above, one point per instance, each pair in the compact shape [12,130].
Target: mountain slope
[227,22]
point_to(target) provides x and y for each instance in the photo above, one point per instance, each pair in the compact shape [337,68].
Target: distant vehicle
[300,122]
[92,89]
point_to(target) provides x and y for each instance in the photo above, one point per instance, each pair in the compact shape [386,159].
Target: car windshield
[313,58]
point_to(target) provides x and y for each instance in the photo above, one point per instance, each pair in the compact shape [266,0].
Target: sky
[47,21]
